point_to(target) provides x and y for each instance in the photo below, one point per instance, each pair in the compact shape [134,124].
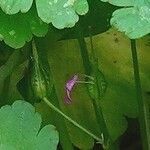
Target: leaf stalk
[143,106]
[72,121]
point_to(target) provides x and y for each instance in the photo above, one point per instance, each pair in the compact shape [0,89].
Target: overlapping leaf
[14,6]
[17,29]
[19,129]
[134,21]
[61,13]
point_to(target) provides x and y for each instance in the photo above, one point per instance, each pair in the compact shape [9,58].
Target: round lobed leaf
[19,129]
[17,29]
[14,6]
[134,21]
[81,7]
[61,13]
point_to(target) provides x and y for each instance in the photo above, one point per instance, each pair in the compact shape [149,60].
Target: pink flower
[69,87]
[71,83]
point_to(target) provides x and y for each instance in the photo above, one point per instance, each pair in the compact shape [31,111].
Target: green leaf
[9,92]
[104,10]
[50,115]
[11,73]
[20,129]
[37,27]
[61,13]
[14,6]
[81,107]
[119,99]
[134,21]
[81,7]
[15,33]
[130,21]
[10,65]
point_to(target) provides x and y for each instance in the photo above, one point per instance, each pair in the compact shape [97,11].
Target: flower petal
[69,87]
[70,83]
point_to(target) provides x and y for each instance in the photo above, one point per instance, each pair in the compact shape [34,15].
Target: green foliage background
[113,51]
[115,62]
[119,100]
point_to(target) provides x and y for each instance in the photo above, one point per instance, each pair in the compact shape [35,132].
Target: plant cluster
[29,72]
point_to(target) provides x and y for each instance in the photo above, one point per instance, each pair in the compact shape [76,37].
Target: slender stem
[84,54]
[88,68]
[143,106]
[72,121]
[51,92]
[85,82]
[91,43]
[86,76]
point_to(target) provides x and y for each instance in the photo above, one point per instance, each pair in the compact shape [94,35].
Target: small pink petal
[70,83]
[69,87]
[68,95]
[67,101]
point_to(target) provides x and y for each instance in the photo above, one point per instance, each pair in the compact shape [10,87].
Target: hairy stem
[143,106]
[72,121]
